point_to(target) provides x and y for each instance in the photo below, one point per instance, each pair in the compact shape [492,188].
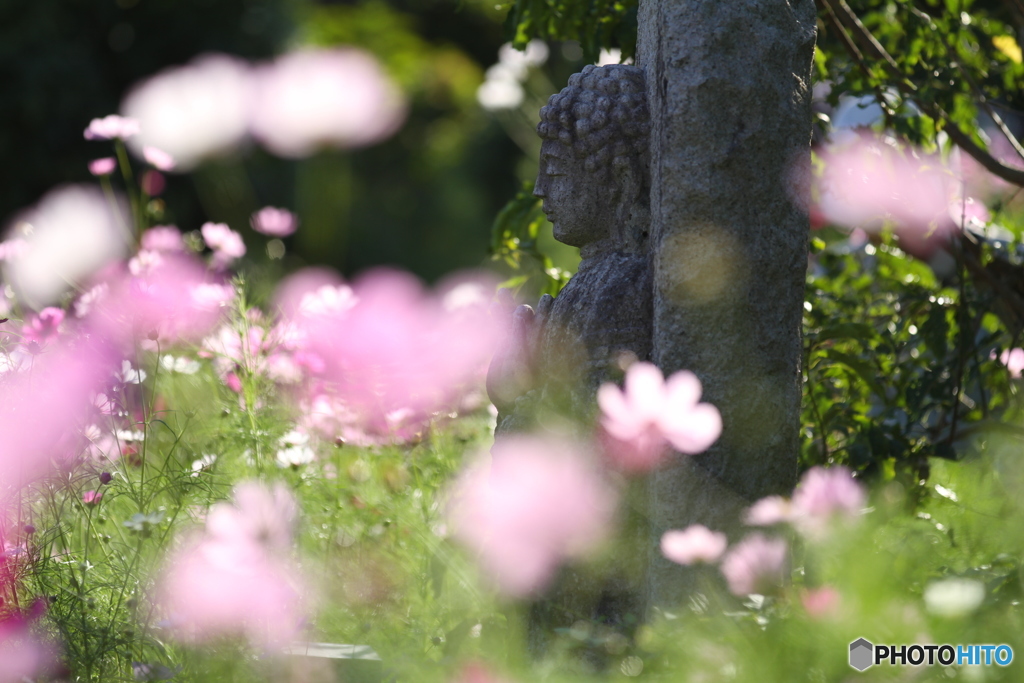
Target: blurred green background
[423,200]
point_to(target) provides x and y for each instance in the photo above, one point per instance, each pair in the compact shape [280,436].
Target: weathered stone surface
[595,183]
[729,95]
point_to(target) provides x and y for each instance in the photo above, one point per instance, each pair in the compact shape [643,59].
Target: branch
[845,19]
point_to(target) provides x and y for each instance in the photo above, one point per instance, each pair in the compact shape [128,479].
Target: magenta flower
[1013,359]
[652,414]
[112,127]
[163,238]
[333,98]
[694,544]
[227,245]
[158,158]
[755,565]
[43,328]
[236,578]
[532,505]
[22,655]
[92,497]
[274,222]
[102,166]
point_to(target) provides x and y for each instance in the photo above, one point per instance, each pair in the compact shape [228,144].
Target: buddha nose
[540,188]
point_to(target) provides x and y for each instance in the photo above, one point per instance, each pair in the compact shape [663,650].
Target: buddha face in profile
[593,159]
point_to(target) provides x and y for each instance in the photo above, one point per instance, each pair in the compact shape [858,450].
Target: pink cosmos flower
[43,409]
[769,511]
[867,182]
[227,245]
[75,232]
[22,655]
[824,494]
[153,183]
[112,127]
[12,248]
[102,166]
[192,112]
[651,414]
[158,158]
[274,222]
[394,347]
[168,300]
[820,602]
[236,578]
[476,672]
[1013,359]
[334,98]
[755,565]
[92,497]
[163,238]
[694,544]
[821,496]
[535,503]
[43,328]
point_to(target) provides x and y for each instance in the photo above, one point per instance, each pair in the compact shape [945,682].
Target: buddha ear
[627,181]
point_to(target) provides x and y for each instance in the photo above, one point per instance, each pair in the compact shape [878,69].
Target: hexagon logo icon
[861,654]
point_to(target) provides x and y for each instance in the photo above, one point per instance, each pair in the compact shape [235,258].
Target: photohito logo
[864,654]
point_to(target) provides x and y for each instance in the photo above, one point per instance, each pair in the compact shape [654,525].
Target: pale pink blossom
[92,497]
[822,496]
[258,515]
[158,158]
[227,245]
[274,222]
[23,656]
[112,127]
[43,328]
[145,262]
[236,578]
[332,98]
[535,503]
[168,301]
[397,347]
[868,181]
[72,233]
[12,248]
[102,166]
[1013,359]
[476,672]
[89,298]
[755,565]
[163,238]
[42,410]
[651,414]
[694,544]
[820,602]
[769,511]
[192,112]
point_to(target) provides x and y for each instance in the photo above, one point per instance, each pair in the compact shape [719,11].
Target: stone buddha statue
[594,180]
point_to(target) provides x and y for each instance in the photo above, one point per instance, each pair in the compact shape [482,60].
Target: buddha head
[594,170]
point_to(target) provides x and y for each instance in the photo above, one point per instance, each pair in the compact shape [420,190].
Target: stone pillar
[729,95]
